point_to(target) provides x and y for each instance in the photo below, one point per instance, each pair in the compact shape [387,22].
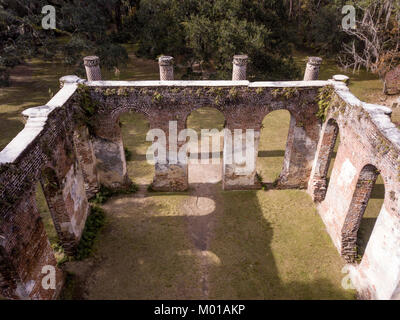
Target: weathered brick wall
[43,151]
[369,145]
[243,104]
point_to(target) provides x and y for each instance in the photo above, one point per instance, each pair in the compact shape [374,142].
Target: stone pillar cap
[91,61]
[240,59]
[37,112]
[341,77]
[315,60]
[165,60]
[70,79]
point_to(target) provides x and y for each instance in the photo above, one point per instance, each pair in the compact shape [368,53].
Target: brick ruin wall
[74,144]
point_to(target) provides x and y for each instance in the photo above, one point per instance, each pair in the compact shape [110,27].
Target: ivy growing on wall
[324,99]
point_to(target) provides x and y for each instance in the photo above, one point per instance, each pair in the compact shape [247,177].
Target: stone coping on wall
[380,115]
[36,118]
[206,83]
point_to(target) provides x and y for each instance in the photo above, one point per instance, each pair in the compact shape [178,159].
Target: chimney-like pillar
[239,67]
[166,67]
[312,69]
[92,66]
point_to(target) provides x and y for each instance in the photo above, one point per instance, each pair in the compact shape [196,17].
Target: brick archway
[319,182]
[365,183]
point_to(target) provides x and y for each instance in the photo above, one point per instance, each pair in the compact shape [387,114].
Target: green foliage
[324,100]
[59,252]
[106,193]
[87,105]
[94,223]
[285,93]
[50,180]
[157,97]
[316,25]
[68,291]
[128,154]
[211,32]
[260,180]
[81,29]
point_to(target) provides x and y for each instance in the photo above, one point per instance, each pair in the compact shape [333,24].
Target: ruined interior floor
[208,243]
[211,244]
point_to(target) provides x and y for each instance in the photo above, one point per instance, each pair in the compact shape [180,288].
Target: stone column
[172,174]
[166,64]
[109,153]
[312,69]
[92,66]
[240,160]
[300,152]
[239,67]
[302,142]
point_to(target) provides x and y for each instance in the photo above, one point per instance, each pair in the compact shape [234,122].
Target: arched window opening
[325,160]
[360,220]
[370,216]
[47,219]
[134,127]
[273,138]
[334,141]
[208,123]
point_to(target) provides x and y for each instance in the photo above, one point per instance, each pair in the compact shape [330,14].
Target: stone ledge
[35,121]
[167,83]
[207,83]
[380,116]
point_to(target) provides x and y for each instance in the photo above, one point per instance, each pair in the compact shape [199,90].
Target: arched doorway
[272,146]
[134,127]
[205,163]
[356,231]
[323,166]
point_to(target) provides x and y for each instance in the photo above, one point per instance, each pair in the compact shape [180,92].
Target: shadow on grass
[248,269]
[271,153]
[364,233]
[155,249]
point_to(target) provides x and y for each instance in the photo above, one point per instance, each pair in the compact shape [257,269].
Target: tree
[82,28]
[209,33]
[376,40]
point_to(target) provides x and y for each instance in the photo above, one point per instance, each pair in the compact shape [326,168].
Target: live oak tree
[81,27]
[209,33]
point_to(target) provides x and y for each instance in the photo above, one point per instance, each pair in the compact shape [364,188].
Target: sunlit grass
[143,245]
[273,144]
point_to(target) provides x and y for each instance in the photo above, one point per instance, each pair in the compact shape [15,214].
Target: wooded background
[203,35]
